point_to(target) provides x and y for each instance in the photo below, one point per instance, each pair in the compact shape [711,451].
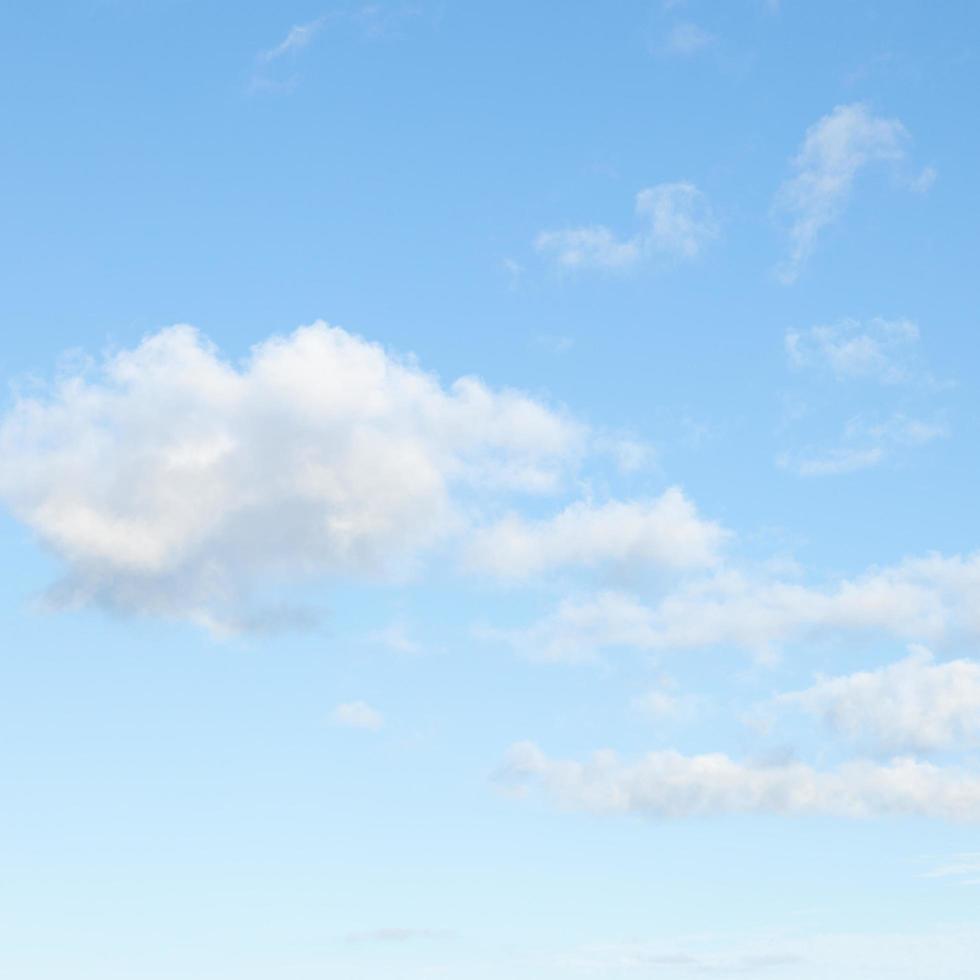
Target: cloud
[926,600]
[686,38]
[965,867]
[594,247]
[864,444]
[672,785]
[298,38]
[835,150]
[660,704]
[644,958]
[357,714]
[913,705]
[666,532]
[172,481]
[880,350]
[392,934]
[677,221]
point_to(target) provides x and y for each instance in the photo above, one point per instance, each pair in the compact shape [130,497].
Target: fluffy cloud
[669,784]
[881,349]
[666,532]
[677,221]
[357,714]
[915,704]
[173,480]
[921,600]
[835,150]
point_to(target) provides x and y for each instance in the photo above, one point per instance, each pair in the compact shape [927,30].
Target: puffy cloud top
[172,478]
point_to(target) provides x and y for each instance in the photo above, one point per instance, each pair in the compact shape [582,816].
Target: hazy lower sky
[489,490]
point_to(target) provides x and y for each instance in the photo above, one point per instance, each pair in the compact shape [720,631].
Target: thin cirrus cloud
[864,443]
[172,481]
[359,715]
[665,532]
[880,350]
[669,784]
[687,38]
[835,150]
[676,221]
[925,600]
[297,38]
[912,705]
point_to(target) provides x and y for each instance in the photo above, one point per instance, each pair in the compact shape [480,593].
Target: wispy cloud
[676,221]
[881,349]
[357,714]
[835,150]
[687,38]
[864,444]
[964,867]
[295,40]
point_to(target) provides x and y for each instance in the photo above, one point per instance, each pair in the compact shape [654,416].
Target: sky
[489,490]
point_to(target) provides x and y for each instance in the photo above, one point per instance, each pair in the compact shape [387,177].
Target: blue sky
[489,490]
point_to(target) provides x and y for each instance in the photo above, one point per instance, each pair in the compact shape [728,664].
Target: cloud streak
[668,784]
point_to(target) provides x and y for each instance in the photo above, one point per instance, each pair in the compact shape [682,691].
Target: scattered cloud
[913,705]
[864,444]
[357,714]
[880,350]
[677,221]
[923,600]
[668,784]
[686,38]
[295,40]
[667,532]
[836,149]
[963,867]
[172,482]
[662,704]
[396,636]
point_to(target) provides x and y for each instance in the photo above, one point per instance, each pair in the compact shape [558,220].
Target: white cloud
[357,714]
[594,247]
[965,867]
[880,349]
[670,784]
[835,150]
[297,38]
[662,704]
[914,704]
[687,38]
[678,221]
[864,444]
[173,481]
[666,532]
[923,600]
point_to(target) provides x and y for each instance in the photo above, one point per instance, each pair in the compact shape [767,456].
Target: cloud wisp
[835,150]
[357,714]
[676,222]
